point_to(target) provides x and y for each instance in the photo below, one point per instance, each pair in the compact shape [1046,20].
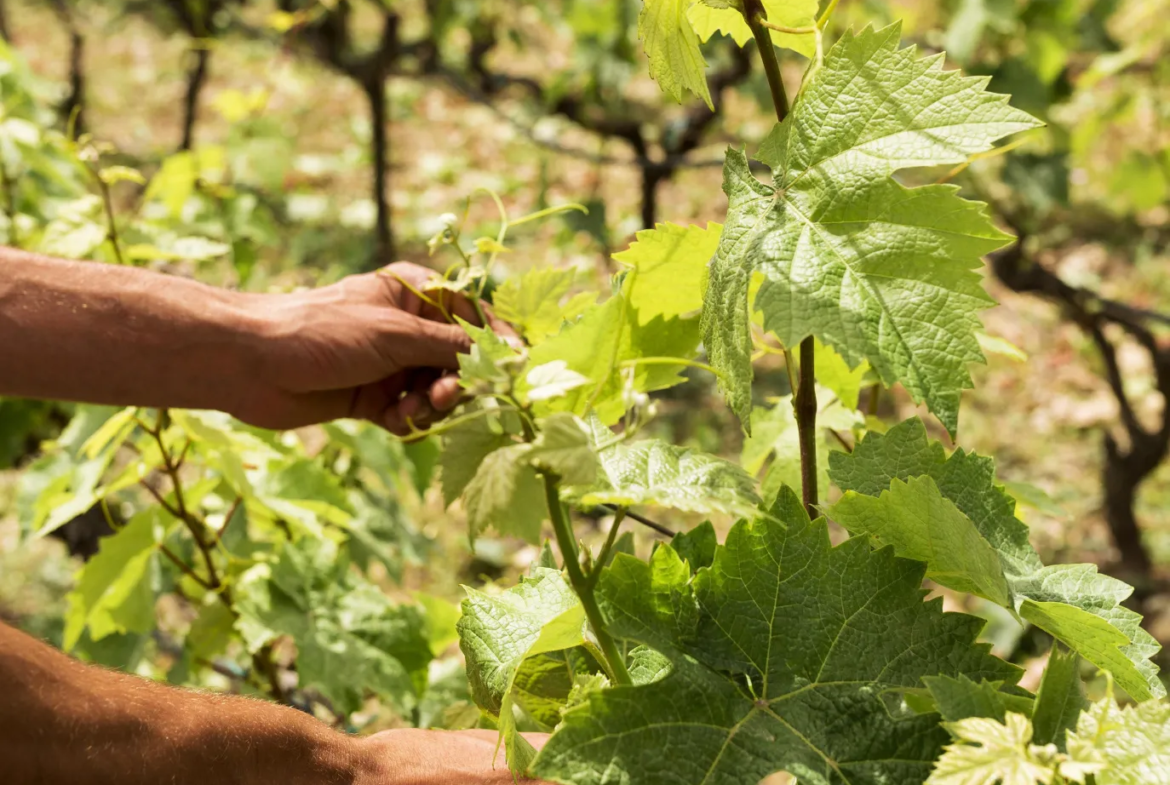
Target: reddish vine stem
[263,663]
[804,401]
[805,405]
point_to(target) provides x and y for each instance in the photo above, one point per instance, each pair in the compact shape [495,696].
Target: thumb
[428,344]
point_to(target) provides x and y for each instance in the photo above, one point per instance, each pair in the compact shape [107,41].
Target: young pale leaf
[988,752]
[708,18]
[1072,602]
[565,448]
[604,346]
[834,374]
[1132,743]
[921,524]
[498,633]
[531,302]
[114,592]
[880,272]
[673,48]
[552,380]
[655,472]
[482,366]
[1061,698]
[506,495]
[745,696]
[669,262]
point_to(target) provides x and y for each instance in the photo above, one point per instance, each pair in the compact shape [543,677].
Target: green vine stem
[602,557]
[581,583]
[804,401]
[111,221]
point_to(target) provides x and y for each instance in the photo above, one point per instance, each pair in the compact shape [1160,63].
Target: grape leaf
[878,271]
[1072,602]
[1133,742]
[923,525]
[669,262]
[779,654]
[351,639]
[697,546]
[552,380]
[598,345]
[1060,700]
[988,751]
[531,302]
[959,698]
[505,494]
[708,19]
[114,591]
[673,48]
[565,448]
[464,448]
[834,374]
[499,633]
[655,472]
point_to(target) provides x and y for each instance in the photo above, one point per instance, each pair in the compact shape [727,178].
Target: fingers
[429,397]
[445,393]
[430,344]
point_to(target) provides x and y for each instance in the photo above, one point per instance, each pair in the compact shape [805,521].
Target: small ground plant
[775,650]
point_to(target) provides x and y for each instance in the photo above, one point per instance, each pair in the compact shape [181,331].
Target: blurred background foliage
[270,145]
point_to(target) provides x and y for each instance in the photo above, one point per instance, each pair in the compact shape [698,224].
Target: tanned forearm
[65,722]
[108,334]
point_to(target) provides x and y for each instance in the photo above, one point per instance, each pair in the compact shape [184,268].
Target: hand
[367,347]
[438,757]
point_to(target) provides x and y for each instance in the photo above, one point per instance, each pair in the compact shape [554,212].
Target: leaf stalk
[581,584]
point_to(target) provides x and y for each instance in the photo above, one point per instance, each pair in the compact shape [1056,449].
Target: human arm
[65,722]
[366,346]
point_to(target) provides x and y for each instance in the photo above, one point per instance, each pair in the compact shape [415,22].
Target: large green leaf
[780,653]
[878,271]
[922,524]
[1072,602]
[673,48]
[499,633]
